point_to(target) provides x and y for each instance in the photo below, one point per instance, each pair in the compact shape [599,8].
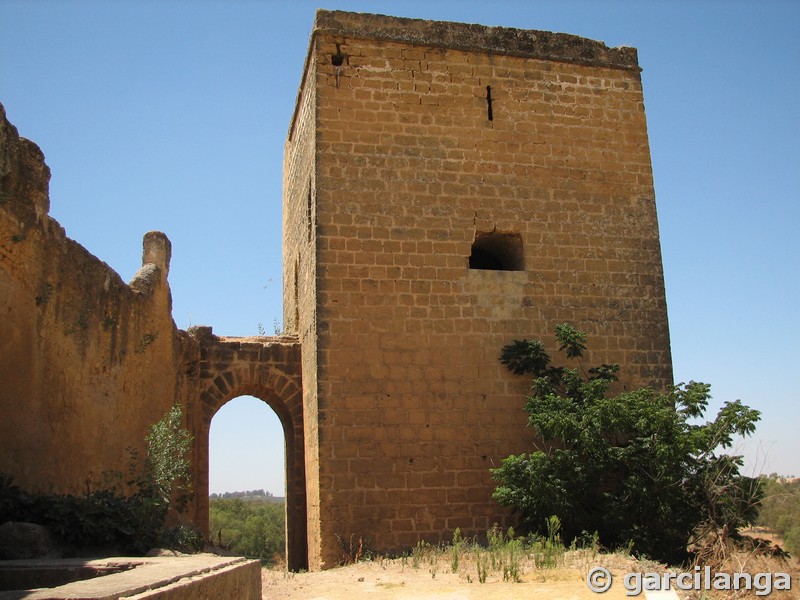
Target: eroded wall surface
[87,362]
[434,142]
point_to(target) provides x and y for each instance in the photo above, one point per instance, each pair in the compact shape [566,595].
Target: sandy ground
[398,579]
[433,579]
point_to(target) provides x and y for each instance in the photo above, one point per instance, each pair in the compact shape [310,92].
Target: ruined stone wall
[87,362]
[416,170]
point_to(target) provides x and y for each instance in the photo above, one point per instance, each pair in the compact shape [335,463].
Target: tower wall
[415,146]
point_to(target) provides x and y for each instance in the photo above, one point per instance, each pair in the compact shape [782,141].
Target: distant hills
[260,495]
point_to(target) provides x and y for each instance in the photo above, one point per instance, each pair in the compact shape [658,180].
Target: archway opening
[247,480]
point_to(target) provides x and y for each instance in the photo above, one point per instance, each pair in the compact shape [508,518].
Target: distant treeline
[247,494]
[780,510]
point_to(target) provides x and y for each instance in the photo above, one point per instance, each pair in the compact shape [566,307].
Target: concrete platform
[201,576]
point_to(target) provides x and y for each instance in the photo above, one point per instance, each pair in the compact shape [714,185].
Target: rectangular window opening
[496,251]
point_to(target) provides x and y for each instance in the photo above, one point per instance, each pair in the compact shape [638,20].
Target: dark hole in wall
[337,60]
[497,251]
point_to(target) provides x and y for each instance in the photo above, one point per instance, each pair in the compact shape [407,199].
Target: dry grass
[757,557]
[507,568]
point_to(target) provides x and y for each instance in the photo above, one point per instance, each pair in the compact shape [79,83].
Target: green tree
[252,528]
[167,475]
[635,467]
[164,480]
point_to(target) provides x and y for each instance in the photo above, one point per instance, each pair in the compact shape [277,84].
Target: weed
[496,540]
[147,339]
[278,327]
[505,553]
[482,564]
[184,538]
[45,293]
[352,552]
[584,550]
[548,552]
[511,568]
[627,549]
[455,549]
[420,552]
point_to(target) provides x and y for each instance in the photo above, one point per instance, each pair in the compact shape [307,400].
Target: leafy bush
[107,518]
[252,528]
[165,477]
[184,538]
[95,520]
[632,466]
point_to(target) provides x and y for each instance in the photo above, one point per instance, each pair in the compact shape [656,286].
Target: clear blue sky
[172,115]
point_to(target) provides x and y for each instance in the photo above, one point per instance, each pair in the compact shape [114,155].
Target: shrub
[634,466]
[107,518]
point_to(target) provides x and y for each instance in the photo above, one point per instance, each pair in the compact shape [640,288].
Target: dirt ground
[433,579]
[398,579]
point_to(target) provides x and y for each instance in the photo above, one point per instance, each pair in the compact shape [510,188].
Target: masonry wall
[87,362]
[413,404]
[268,368]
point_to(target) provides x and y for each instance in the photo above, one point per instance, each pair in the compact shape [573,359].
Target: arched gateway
[269,369]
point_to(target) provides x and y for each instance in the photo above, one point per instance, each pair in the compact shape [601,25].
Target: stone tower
[449,188]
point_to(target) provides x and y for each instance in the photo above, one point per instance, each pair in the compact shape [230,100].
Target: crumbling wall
[87,362]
